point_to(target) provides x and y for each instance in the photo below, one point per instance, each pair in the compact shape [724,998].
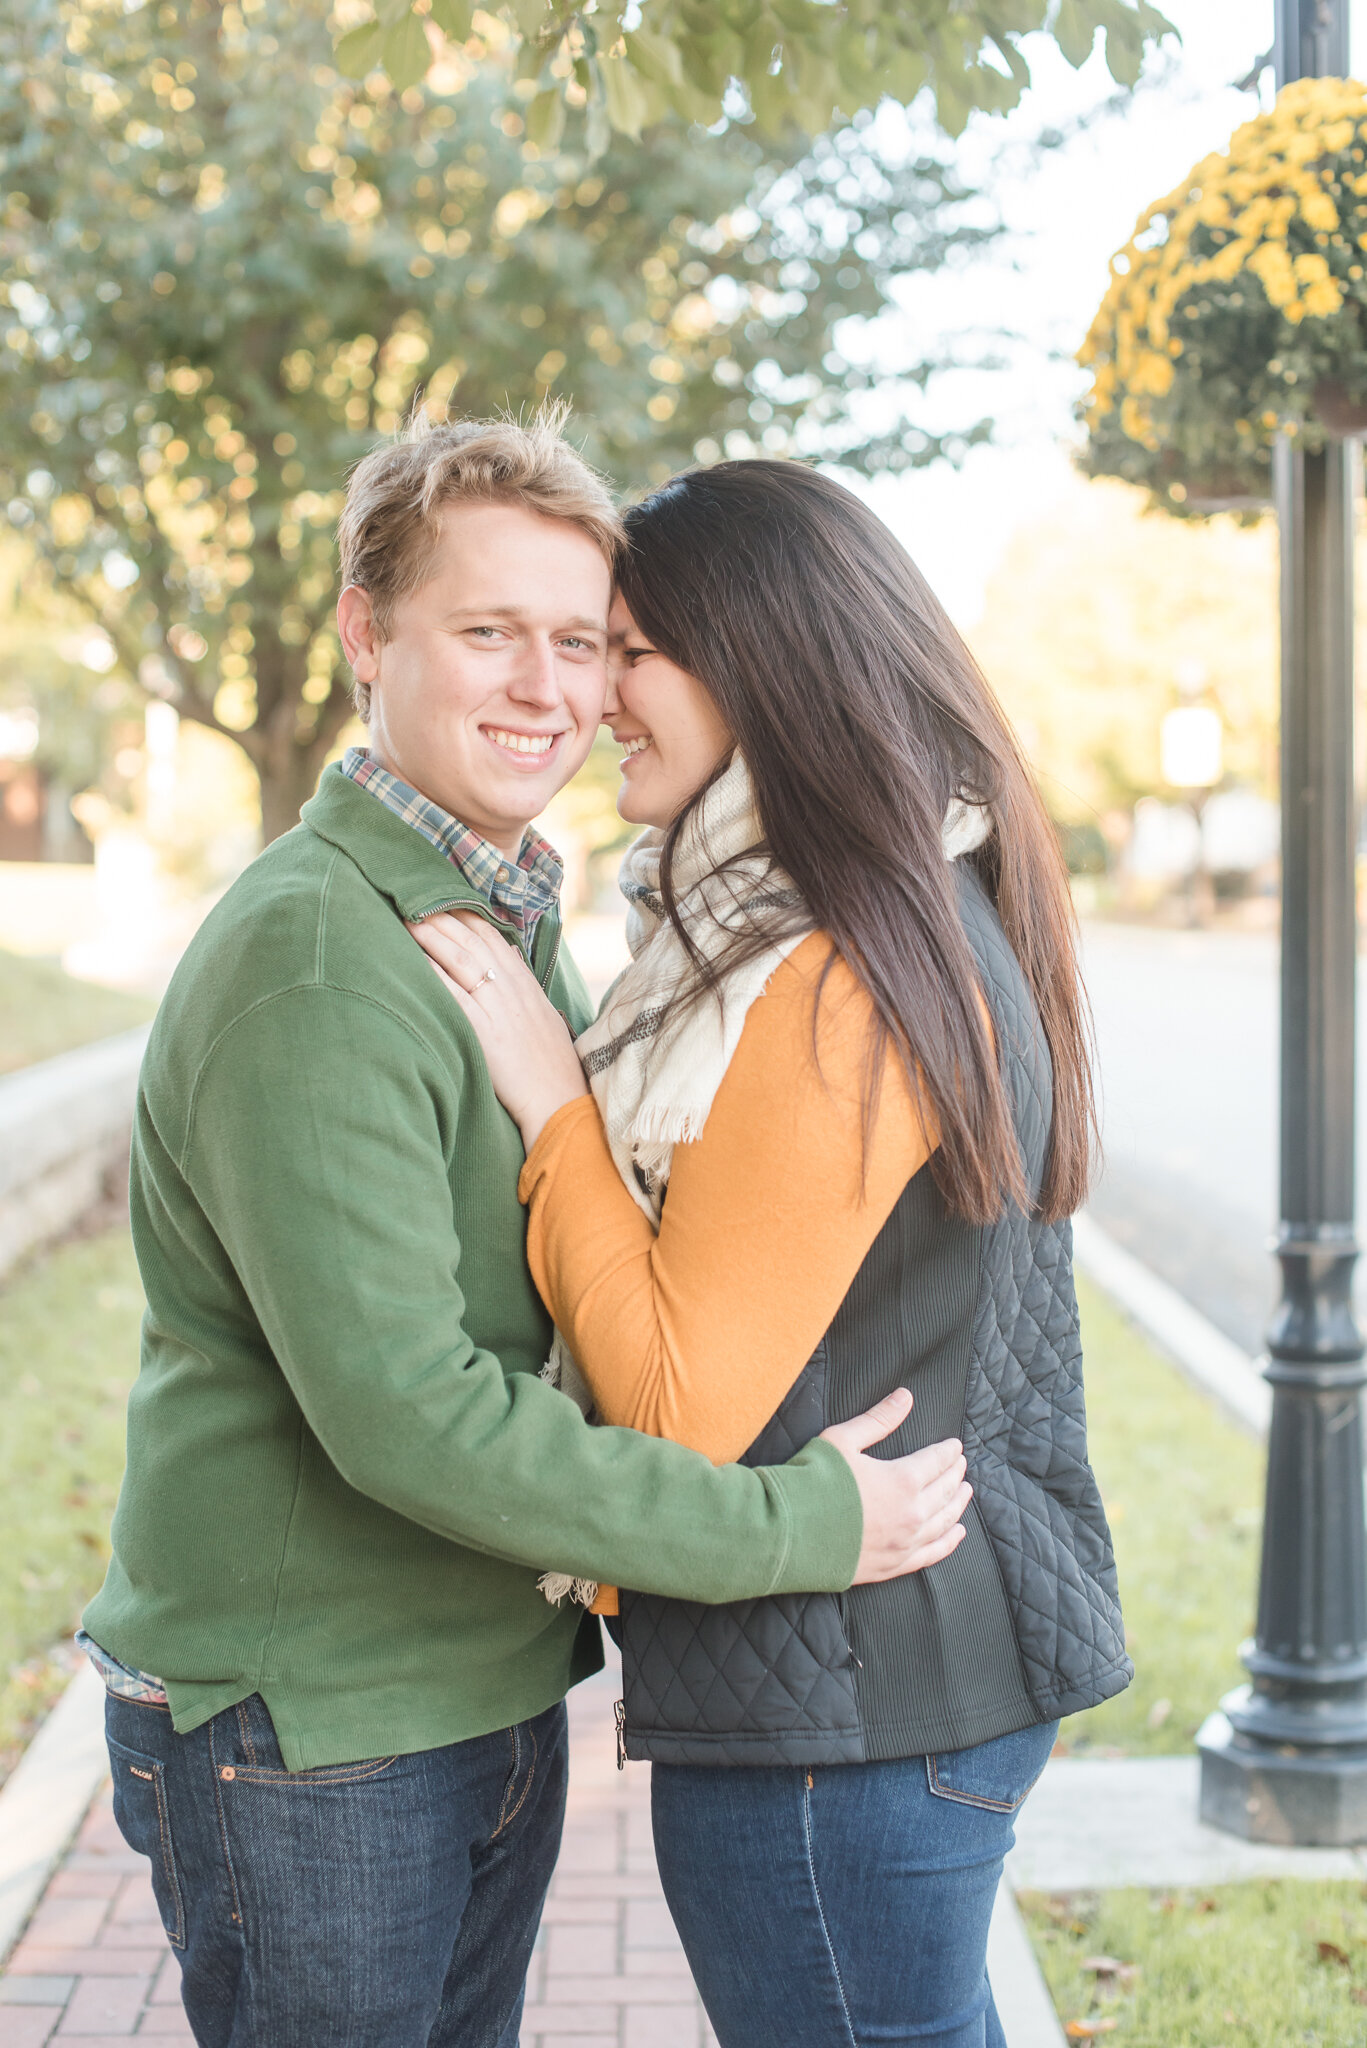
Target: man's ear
[356,627]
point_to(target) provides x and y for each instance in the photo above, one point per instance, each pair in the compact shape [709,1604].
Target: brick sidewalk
[94,1966]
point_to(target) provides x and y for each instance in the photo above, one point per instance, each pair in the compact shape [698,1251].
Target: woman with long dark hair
[837,1114]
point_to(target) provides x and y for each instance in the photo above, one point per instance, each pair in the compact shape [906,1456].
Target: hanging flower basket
[1237,312]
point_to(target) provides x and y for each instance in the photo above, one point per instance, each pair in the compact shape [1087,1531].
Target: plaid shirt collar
[520,891]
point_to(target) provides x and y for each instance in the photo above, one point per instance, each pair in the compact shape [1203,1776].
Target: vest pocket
[144,1818]
[767,1681]
[996,1776]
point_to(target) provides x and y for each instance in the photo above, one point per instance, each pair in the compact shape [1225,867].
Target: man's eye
[487,631]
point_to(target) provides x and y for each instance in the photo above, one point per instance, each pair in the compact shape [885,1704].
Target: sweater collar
[520,891]
[415,876]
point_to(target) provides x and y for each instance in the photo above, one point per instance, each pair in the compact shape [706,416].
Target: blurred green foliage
[800,62]
[227,270]
[54,658]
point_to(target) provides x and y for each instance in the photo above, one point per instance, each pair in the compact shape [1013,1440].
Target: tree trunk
[286,785]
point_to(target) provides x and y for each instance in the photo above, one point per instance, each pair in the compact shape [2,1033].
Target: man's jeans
[844,1906]
[387,1904]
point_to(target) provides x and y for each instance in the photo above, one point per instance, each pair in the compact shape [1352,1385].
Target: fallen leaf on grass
[1208,1905]
[1087,2030]
[1330,1952]
[1110,1971]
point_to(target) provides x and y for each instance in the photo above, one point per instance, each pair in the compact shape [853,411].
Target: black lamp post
[1285,1757]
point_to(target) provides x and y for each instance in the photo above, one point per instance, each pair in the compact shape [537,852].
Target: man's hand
[913,1505]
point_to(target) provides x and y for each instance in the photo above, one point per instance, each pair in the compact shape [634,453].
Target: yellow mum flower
[1134,421]
[1323,299]
[1319,211]
[1273,267]
[1152,374]
[1229,262]
[1251,209]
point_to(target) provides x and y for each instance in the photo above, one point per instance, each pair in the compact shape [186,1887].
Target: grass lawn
[1263,1965]
[44,1012]
[1183,1489]
[68,1355]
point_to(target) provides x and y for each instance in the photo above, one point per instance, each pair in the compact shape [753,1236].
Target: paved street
[1187,1034]
[94,1965]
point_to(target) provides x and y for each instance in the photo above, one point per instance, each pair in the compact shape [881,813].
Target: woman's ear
[356,629]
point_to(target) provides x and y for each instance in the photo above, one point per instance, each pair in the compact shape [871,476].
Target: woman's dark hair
[861,715]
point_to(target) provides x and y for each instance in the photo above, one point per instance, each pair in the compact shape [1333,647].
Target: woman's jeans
[386,1904]
[845,1906]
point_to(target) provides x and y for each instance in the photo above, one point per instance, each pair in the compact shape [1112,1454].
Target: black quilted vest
[1022,1622]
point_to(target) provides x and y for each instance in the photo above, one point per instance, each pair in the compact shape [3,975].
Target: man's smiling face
[486,693]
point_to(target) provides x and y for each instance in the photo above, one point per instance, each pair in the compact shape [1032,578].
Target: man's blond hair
[391,522]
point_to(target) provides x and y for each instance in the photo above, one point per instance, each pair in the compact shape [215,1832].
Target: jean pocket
[246,1751]
[304,1781]
[996,1776]
[143,1813]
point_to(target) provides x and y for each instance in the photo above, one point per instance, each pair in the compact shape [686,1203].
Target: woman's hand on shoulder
[532,1062]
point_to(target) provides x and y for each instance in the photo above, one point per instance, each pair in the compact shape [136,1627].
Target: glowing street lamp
[1191,745]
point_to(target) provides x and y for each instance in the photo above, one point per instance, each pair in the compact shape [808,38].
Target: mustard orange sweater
[698,1333]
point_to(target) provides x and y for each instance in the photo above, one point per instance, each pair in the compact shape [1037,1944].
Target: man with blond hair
[335,1709]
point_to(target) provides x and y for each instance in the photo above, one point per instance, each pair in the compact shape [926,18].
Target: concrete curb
[64,1124]
[1024,2005]
[46,1797]
[1207,1357]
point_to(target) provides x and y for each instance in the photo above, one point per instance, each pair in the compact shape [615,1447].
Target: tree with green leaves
[803,63]
[226,270]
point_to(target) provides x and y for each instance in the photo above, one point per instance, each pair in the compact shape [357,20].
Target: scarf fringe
[661,1123]
[558,1586]
[561,1372]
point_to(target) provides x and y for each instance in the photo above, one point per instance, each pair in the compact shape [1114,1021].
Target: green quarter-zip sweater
[344,1473]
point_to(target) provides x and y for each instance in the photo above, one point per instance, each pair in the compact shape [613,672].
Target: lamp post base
[1294,1797]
